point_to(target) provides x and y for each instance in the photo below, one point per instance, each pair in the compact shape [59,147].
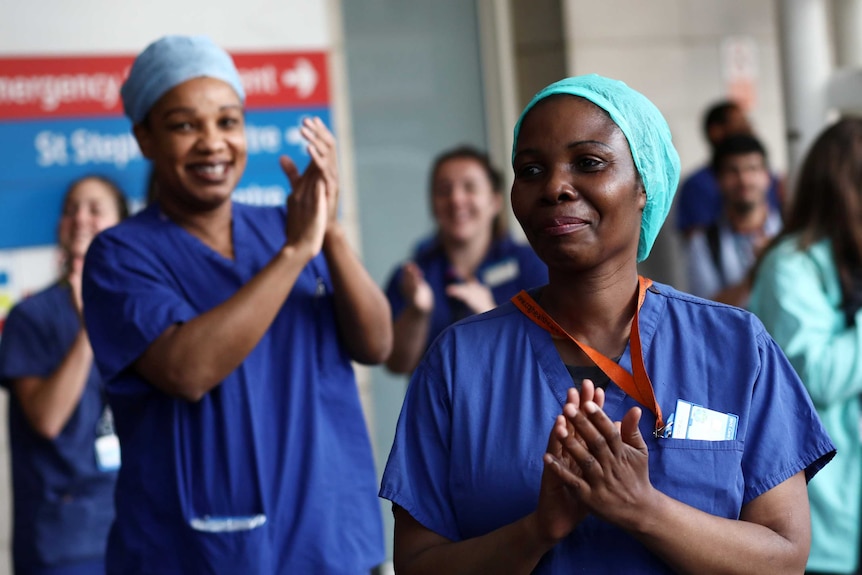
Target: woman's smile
[210,172]
[562,225]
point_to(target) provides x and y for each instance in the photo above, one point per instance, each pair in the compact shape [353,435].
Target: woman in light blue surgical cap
[225,335]
[603,423]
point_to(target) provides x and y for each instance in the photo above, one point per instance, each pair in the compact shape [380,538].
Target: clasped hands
[592,465]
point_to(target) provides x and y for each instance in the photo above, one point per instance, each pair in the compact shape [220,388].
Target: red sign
[73,86]
[288,79]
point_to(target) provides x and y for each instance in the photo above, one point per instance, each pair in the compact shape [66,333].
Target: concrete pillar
[848,33]
[807,67]
[499,79]
[845,87]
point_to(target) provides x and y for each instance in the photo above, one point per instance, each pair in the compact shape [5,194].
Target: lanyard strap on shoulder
[638,384]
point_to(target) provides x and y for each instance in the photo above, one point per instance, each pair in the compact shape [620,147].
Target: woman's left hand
[612,475]
[559,511]
[474,294]
[324,157]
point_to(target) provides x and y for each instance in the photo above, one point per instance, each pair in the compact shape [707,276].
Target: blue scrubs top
[63,504]
[467,457]
[508,268]
[272,471]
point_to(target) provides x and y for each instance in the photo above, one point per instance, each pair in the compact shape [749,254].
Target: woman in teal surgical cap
[602,423]
[225,335]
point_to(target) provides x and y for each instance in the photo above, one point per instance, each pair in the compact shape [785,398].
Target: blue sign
[42,157]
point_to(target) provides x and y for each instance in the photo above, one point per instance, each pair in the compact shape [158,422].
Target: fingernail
[590,407]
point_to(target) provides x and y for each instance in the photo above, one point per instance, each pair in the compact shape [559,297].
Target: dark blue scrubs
[271,472]
[699,203]
[63,504]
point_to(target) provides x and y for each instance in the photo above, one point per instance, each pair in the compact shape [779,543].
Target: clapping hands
[592,465]
[313,202]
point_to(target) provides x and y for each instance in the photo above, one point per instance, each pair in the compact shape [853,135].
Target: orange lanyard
[638,386]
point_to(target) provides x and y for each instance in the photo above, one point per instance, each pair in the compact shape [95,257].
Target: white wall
[96,26]
[671,51]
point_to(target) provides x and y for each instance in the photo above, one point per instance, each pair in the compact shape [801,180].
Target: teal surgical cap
[169,62]
[649,139]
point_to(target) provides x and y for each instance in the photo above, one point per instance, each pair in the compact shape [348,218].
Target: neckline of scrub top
[237,230]
[636,384]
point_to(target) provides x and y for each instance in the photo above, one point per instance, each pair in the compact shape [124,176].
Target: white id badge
[108,452]
[501,272]
[692,421]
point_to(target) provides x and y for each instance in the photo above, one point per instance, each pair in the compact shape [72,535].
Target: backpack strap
[713,241]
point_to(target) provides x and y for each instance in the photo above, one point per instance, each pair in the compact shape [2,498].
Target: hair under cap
[648,135]
[170,61]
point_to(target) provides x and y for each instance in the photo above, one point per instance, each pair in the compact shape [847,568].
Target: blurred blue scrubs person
[468,266]
[64,452]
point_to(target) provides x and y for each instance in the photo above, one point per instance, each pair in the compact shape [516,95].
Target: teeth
[214,170]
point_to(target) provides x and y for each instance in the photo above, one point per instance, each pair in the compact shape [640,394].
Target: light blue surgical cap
[169,62]
[649,139]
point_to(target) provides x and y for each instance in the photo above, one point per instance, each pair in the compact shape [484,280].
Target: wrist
[334,233]
[418,311]
[537,541]
[299,251]
[84,341]
[648,518]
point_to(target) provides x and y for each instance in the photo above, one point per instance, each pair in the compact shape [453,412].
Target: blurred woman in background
[808,293]
[64,452]
[468,266]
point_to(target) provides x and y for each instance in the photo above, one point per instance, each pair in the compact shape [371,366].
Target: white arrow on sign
[302,77]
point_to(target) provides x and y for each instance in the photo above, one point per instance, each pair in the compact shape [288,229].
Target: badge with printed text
[692,421]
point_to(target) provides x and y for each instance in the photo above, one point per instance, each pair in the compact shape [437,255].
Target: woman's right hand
[415,289]
[307,208]
[75,269]
[558,511]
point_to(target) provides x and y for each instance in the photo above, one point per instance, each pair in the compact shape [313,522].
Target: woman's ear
[641,195]
[144,137]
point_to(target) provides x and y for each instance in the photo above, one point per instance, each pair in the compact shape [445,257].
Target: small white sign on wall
[739,65]
[23,272]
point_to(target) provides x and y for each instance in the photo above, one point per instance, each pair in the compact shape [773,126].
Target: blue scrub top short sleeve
[278,452]
[134,305]
[467,456]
